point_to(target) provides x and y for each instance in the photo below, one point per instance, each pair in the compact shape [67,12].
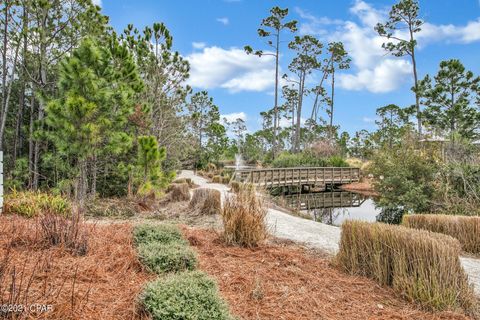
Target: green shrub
[166,257]
[30,204]
[163,233]
[422,266]
[307,159]
[184,296]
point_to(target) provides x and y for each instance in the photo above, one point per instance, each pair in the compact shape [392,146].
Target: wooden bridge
[321,200]
[309,176]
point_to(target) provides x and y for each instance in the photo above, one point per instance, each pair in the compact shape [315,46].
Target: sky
[211,35]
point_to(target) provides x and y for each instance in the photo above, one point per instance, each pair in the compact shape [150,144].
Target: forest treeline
[89,111]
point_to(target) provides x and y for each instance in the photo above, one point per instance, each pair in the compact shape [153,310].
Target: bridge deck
[315,176]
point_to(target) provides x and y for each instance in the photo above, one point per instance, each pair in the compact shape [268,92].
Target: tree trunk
[93,187]
[299,111]
[275,107]
[331,104]
[415,79]
[31,143]
[41,105]
[18,142]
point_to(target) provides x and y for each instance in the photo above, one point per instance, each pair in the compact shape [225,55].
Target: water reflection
[332,207]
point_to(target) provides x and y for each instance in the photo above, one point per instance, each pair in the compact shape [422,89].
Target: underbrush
[171,257]
[187,295]
[465,229]
[163,233]
[30,204]
[307,159]
[179,192]
[243,217]
[179,292]
[113,208]
[206,201]
[422,266]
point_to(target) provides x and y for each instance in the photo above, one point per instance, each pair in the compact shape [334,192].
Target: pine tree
[88,119]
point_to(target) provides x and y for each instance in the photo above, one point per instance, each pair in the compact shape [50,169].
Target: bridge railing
[298,175]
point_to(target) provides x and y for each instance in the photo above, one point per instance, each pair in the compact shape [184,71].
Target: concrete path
[315,234]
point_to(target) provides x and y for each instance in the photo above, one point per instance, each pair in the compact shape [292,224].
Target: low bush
[217,179]
[390,215]
[207,201]
[422,266]
[185,296]
[235,186]
[243,216]
[179,192]
[163,233]
[465,229]
[226,179]
[170,257]
[29,204]
[307,159]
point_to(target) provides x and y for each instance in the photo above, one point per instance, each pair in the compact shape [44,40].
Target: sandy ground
[315,234]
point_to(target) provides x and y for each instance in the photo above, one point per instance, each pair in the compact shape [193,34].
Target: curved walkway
[315,234]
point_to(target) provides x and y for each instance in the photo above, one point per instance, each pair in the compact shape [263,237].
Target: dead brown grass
[217,179]
[179,192]
[465,229]
[285,282]
[243,216]
[422,266]
[207,201]
[103,284]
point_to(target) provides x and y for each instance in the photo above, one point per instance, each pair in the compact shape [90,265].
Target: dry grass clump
[422,266]
[243,218]
[208,201]
[226,179]
[179,192]
[235,186]
[217,179]
[465,229]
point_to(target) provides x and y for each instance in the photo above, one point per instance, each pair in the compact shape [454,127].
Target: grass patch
[171,257]
[465,229]
[243,218]
[179,192]
[184,296]
[207,201]
[163,234]
[30,204]
[422,266]
[112,208]
[217,179]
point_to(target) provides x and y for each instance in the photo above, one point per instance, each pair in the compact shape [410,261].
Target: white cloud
[369,120]
[199,45]
[232,69]
[231,117]
[97,2]
[372,68]
[386,76]
[223,20]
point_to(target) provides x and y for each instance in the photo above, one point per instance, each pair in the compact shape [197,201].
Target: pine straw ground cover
[103,284]
[281,281]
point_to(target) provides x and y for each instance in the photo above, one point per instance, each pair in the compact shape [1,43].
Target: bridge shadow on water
[330,206]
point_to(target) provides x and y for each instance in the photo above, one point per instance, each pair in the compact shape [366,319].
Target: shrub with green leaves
[31,204]
[170,257]
[307,159]
[162,233]
[184,296]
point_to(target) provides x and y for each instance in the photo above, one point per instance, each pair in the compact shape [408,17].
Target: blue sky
[212,33]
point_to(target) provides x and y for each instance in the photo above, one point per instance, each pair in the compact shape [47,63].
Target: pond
[331,207]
